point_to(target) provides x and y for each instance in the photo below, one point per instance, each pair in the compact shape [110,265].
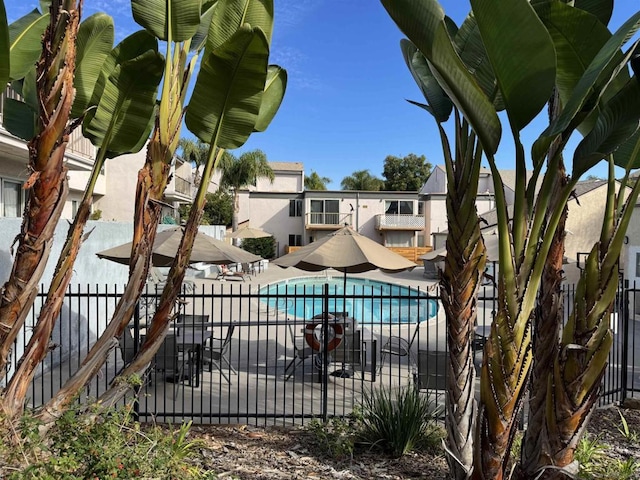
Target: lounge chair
[215,353]
[224,273]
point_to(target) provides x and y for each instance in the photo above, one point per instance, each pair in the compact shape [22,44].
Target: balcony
[80,152]
[178,190]
[327,221]
[399,222]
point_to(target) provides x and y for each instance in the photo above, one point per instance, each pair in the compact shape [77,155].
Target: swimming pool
[368,301]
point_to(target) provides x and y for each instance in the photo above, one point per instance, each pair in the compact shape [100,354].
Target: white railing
[336,219]
[399,221]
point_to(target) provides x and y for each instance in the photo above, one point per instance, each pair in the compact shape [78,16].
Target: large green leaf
[512,32]
[177,20]
[199,39]
[131,47]
[618,120]
[591,86]
[25,35]
[628,154]
[440,104]
[126,104]
[19,119]
[578,36]
[274,90]
[94,43]
[423,22]
[470,48]
[226,99]
[5,45]
[600,8]
[232,14]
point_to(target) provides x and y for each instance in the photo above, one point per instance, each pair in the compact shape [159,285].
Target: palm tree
[316,182]
[196,153]
[240,172]
[362,180]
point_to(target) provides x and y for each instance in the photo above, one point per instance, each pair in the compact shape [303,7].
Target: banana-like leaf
[131,47]
[45,5]
[628,154]
[5,45]
[423,22]
[272,97]
[174,20]
[94,43]
[440,104]
[19,119]
[578,36]
[600,8]
[591,86]
[127,103]
[226,99]
[25,35]
[470,47]
[618,120]
[199,39]
[29,90]
[511,31]
[232,14]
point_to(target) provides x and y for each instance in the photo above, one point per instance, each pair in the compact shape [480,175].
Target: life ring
[312,340]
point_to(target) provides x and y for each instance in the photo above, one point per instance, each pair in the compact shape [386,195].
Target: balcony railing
[77,145]
[183,186]
[399,222]
[330,220]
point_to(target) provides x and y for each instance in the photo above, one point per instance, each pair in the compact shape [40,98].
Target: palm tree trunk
[548,321]
[460,283]
[48,180]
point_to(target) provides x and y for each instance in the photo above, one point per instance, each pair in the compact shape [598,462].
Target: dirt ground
[291,453]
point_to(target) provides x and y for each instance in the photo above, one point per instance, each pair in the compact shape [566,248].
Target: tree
[406,174]
[593,83]
[218,209]
[263,247]
[239,93]
[195,152]
[316,182]
[240,172]
[362,180]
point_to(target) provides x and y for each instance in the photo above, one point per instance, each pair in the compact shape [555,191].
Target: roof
[587,185]
[287,166]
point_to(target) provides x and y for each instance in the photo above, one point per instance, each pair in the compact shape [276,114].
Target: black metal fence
[257,355]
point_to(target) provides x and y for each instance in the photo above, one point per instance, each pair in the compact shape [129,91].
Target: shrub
[399,421]
[336,437]
[108,445]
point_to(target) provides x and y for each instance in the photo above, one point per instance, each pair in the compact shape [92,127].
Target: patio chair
[399,347]
[215,353]
[198,323]
[432,375]
[224,273]
[302,352]
[352,352]
[248,268]
[171,362]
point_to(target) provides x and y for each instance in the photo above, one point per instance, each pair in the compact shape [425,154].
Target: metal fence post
[325,346]
[625,341]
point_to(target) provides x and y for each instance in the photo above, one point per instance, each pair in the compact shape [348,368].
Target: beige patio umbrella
[249,232]
[206,249]
[347,251]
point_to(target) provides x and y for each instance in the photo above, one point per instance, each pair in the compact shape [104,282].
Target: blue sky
[345,107]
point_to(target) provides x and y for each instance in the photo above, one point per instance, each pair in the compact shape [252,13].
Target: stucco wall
[121,179]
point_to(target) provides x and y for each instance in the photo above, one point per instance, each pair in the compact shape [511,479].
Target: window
[12,199]
[420,208]
[74,208]
[637,264]
[295,240]
[325,212]
[295,208]
[394,207]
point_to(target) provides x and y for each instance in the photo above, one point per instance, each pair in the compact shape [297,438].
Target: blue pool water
[368,301]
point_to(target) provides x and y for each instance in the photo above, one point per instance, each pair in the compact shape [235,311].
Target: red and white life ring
[314,342]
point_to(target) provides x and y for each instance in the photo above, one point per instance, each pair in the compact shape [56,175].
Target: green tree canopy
[406,174]
[315,181]
[362,180]
[263,247]
[218,210]
[240,172]
[195,152]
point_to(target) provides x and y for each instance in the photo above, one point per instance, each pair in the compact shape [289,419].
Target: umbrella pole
[343,372]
